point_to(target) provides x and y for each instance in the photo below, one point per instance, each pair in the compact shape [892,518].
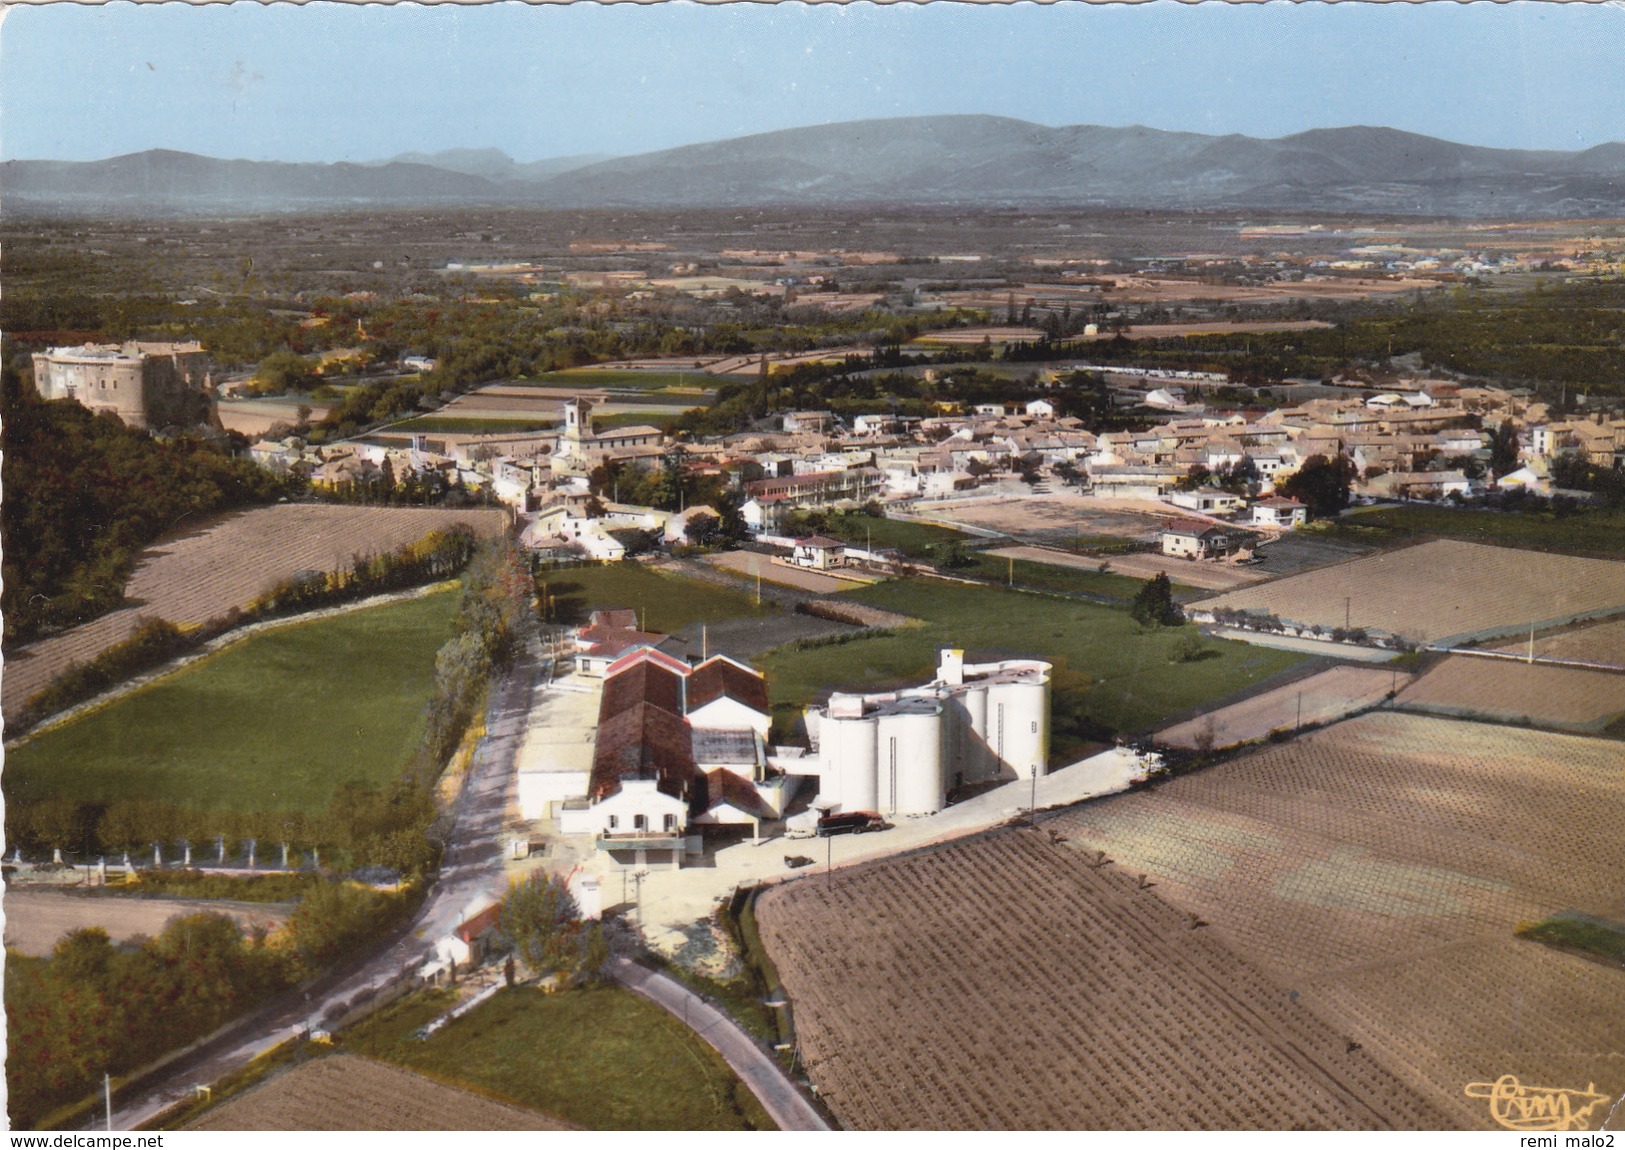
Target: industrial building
[902,752]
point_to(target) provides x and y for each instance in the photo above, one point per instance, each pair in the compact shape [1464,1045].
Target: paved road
[471,871]
[755,1067]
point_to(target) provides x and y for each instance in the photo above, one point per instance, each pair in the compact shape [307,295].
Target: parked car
[851,823]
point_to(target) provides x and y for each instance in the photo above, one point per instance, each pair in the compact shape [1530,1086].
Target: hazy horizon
[330,83]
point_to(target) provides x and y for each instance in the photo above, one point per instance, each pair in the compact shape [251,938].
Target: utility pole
[1299,727]
[1346,600]
[107,1092]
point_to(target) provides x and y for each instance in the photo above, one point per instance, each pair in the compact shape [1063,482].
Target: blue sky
[339,82]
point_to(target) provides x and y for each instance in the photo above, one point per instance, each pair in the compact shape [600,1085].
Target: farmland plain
[202,572]
[1002,982]
[1573,698]
[348,1092]
[1445,591]
[276,722]
[1377,869]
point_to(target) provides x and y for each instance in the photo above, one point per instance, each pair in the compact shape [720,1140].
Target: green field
[1598,530]
[276,722]
[1065,580]
[642,380]
[664,420]
[600,1058]
[1110,676]
[914,540]
[665,602]
[473,426]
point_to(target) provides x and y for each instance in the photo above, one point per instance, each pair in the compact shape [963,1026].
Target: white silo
[847,746]
[910,757]
[1019,716]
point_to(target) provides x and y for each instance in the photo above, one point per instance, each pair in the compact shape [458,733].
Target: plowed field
[1378,869]
[1597,643]
[1570,697]
[1004,983]
[1444,592]
[195,575]
[344,1092]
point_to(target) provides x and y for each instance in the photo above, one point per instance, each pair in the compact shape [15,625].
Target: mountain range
[957,161]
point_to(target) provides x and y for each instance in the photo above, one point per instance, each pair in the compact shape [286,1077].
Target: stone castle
[147,385]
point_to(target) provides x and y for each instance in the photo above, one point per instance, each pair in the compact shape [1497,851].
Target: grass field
[473,426]
[665,602]
[643,380]
[913,539]
[1110,675]
[1066,580]
[277,722]
[664,420]
[1600,531]
[601,1058]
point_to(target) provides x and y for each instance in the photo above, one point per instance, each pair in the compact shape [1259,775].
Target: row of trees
[95,1008]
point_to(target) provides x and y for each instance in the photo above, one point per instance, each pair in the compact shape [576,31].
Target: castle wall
[144,385]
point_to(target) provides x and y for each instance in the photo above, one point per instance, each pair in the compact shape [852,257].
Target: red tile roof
[821,542]
[658,657]
[642,742]
[724,788]
[1191,527]
[486,920]
[614,641]
[719,676]
[615,617]
[639,682]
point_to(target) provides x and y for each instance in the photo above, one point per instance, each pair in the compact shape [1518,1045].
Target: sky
[330,82]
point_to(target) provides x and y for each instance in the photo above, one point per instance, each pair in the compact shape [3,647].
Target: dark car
[851,823]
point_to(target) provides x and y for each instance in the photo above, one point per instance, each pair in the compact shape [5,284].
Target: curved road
[470,870]
[766,1079]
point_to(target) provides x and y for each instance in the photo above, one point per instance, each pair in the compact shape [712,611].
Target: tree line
[94,1007]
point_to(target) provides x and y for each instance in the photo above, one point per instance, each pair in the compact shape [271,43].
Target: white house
[1193,539]
[1041,408]
[1207,500]
[1281,512]
[819,552]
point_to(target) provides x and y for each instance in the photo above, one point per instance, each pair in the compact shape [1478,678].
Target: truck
[851,823]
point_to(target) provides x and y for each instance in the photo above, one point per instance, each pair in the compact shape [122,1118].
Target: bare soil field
[1378,868]
[1595,643]
[973,335]
[254,417]
[36,919]
[200,573]
[1150,289]
[750,564]
[1002,982]
[1444,592]
[347,1092]
[1569,697]
[1320,698]
[1208,576]
[1056,514]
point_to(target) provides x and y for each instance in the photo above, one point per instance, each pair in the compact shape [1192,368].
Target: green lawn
[1110,675]
[665,602]
[600,1058]
[276,722]
[1596,530]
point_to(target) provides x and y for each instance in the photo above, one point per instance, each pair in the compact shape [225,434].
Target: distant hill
[967,161]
